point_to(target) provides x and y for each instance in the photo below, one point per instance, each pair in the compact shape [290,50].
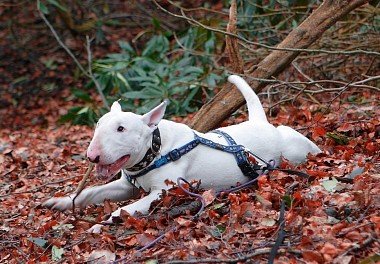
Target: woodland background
[146,51]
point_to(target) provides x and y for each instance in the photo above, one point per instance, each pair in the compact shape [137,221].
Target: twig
[82,184]
[344,231]
[38,187]
[97,85]
[355,246]
[280,236]
[257,252]
[86,73]
[358,84]
[232,45]
[281,220]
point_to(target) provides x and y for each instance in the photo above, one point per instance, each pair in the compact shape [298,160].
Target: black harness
[245,159]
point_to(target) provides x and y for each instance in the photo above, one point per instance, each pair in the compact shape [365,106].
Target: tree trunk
[229,99]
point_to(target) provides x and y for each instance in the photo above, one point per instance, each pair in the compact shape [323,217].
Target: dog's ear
[154,116]
[116,107]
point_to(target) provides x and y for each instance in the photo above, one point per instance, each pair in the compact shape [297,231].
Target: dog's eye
[120,129]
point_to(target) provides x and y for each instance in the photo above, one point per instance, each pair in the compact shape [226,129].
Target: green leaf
[119,66]
[42,8]
[38,241]
[151,261]
[83,110]
[288,199]
[330,185]
[339,138]
[138,95]
[122,79]
[140,78]
[57,253]
[20,80]
[156,23]
[125,46]
[80,94]
[58,5]
[217,206]
[371,259]
[190,97]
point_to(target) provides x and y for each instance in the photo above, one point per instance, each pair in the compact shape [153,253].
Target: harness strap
[245,160]
[243,157]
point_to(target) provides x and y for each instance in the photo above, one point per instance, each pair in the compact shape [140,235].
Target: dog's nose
[96,160]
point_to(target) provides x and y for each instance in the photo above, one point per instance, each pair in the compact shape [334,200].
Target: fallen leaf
[101,256]
[267,221]
[56,253]
[38,241]
[330,185]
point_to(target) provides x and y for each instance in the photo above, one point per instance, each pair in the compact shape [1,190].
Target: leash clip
[250,157]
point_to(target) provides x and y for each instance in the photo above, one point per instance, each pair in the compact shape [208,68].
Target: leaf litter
[331,217]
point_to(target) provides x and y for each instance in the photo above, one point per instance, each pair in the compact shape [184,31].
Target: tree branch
[197,23]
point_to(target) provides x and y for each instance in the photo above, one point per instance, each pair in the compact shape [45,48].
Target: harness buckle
[251,159]
[174,155]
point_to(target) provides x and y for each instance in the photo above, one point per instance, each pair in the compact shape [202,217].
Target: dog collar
[152,152]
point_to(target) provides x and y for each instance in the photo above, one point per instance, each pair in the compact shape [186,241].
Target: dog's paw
[59,203]
[95,229]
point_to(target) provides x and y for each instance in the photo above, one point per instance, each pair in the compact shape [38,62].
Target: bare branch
[312,28]
[195,22]
[97,85]
[232,46]
[86,73]
[256,252]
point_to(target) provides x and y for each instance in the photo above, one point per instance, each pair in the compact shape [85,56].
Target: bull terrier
[135,143]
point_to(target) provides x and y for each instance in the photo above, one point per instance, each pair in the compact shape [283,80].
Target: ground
[330,217]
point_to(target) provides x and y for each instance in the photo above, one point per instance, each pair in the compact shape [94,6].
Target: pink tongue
[107,171]
[102,171]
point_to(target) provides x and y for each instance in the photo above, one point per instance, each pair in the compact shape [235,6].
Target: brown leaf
[208,196]
[312,255]
[345,127]
[144,239]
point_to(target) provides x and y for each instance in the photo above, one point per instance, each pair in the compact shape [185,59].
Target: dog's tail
[255,109]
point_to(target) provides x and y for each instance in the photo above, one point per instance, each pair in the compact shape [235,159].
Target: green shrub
[162,71]
[181,71]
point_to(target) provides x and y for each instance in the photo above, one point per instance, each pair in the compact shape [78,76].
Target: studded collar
[152,152]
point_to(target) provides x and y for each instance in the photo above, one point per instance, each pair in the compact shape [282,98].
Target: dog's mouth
[107,172]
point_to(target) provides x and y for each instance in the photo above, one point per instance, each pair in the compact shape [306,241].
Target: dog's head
[121,139]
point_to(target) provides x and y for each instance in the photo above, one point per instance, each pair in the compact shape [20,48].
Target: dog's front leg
[141,206]
[118,190]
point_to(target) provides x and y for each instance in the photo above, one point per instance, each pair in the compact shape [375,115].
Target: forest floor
[330,217]
[333,216]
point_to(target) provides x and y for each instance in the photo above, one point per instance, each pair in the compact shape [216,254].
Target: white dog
[131,143]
